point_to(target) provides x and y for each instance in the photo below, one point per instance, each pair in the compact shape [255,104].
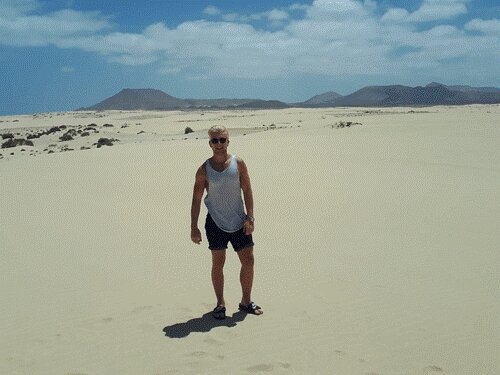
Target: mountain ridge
[377,96]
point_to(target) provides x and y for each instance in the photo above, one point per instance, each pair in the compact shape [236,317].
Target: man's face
[219,141]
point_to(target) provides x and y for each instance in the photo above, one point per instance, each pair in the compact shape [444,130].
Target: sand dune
[376,244]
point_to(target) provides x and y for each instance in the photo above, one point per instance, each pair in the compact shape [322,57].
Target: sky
[60,55]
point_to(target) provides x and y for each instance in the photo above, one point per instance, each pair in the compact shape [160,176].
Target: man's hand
[196,235]
[248,227]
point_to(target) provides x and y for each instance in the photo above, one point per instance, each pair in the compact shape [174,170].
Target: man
[225,176]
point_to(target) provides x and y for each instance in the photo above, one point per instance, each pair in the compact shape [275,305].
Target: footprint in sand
[340,353]
[211,341]
[202,354]
[268,367]
[199,354]
[430,370]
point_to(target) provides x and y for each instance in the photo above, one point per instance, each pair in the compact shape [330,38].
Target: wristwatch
[250,218]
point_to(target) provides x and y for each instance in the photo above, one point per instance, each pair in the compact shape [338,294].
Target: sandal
[251,308]
[219,312]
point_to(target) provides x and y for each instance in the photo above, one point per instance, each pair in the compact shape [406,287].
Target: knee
[218,264]
[247,260]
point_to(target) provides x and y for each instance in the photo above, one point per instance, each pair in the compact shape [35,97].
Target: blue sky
[64,54]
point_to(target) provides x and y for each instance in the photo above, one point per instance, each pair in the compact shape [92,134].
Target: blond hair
[217,129]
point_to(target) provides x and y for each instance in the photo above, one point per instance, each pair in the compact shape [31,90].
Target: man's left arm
[246,187]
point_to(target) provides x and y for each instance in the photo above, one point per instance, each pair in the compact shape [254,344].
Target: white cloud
[335,10]
[484,26]
[276,15]
[297,6]
[395,15]
[212,11]
[15,8]
[133,59]
[234,17]
[26,29]
[430,10]
[331,37]
[370,4]
[123,48]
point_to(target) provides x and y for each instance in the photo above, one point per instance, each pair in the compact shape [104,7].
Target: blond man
[225,177]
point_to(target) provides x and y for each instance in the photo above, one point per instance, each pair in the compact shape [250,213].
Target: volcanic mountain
[370,96]
[152,99]
[398,95]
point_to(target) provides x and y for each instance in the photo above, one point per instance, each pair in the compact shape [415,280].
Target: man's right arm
[199,187]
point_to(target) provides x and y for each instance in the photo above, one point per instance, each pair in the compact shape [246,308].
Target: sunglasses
[218,140]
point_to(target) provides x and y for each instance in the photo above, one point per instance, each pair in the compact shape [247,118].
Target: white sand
[376,245]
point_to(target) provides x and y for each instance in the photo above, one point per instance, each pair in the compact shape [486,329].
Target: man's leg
[218,260]
[246,274]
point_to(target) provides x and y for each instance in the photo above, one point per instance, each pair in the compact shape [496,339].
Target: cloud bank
[327,37]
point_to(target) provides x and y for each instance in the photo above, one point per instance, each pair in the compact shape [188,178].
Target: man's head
[218,136]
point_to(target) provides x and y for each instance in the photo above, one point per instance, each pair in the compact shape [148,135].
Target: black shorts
[218,239]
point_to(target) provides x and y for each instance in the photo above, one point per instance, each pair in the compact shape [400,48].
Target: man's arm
[199,187]
[246,187]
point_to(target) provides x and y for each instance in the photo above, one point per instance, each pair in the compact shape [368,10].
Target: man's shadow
[203,324]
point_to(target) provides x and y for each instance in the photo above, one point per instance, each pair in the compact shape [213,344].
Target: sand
[376,244]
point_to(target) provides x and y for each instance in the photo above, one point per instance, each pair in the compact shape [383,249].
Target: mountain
[398,95]
[152,99]
[133,99]
[323,99]
[371,96]
[466,88]
[236,103]
[264,104]
[216,103]
[390,96]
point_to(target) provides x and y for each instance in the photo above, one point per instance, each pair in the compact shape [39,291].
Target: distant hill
[134,99]
[264,104]
[322,99]
[152,99]
[398,95]
[216,103]
[389,96]
[466,88]
[370,96]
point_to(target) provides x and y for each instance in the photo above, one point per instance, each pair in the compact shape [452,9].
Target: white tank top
[223,200]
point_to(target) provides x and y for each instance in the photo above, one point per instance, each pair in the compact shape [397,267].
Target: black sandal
[219,312]
[251,308]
